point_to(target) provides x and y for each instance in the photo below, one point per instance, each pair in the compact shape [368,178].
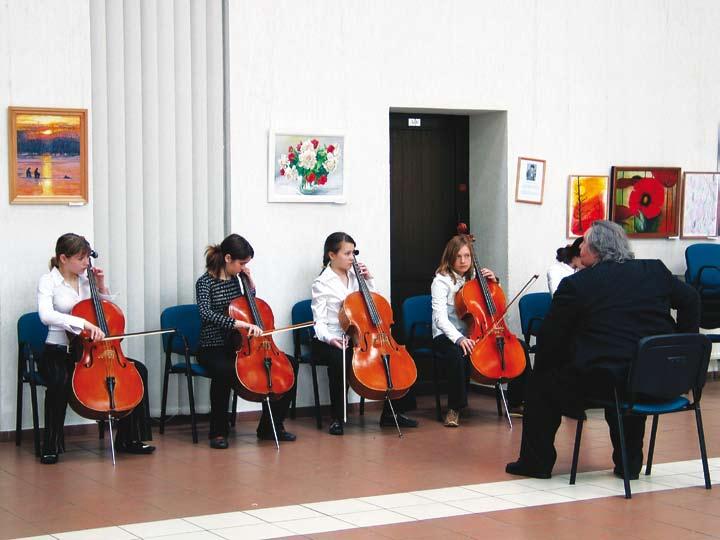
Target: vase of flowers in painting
[308,164]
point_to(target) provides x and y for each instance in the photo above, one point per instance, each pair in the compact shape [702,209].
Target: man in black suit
[588,340]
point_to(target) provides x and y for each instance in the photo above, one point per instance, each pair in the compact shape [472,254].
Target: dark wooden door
[428,196]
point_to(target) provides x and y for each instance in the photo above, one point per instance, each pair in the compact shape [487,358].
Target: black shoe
[516,411]
[219,443]
[387,420]
[520,469]
[336,428]
[619,474]
[49,459]
[282,435]
[135,447]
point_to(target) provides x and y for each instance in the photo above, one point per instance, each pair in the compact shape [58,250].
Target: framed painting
[645,200]
[47,156]
[587,202]
[530,180]
[699,217]
[306,167]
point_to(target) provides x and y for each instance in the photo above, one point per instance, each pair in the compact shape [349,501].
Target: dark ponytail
[333,244]
[568,253]
[234,245]
[69,244]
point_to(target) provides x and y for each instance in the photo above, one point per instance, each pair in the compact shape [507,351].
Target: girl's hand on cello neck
[364,272]
[488,274]
[100,280]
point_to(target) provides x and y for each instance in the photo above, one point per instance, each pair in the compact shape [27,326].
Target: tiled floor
[433,483]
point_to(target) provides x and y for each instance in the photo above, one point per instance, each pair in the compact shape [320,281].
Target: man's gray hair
[609,242]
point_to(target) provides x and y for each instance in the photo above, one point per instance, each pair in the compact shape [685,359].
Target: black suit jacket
[599,314]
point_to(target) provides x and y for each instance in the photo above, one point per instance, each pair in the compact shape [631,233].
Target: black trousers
[458,375]
[563,391]
[326,355]
[56,368]
[220,363]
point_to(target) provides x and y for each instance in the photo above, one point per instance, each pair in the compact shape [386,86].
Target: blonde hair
[452,248]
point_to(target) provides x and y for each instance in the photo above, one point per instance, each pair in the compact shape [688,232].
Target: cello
[380,368]
[105,384]
[263,371]
[498,356]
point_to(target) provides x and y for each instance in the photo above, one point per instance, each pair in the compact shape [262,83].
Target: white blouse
[56,298]
[328,294]
[444,317]
[556,273]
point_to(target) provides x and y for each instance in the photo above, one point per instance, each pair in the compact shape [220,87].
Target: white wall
[586,85]
[44,62]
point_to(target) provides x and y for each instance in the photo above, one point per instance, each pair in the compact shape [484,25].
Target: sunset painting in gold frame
[47,158]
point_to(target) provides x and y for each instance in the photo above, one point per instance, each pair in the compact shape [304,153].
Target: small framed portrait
[47,155]
[530,180]
[306,167]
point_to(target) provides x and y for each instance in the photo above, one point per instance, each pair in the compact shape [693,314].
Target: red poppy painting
[645,200]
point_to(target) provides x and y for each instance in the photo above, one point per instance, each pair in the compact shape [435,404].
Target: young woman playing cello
[58,291]
[335,282]
[450,341]
[215,289]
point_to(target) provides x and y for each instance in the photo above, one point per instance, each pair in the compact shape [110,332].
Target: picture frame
[700,209]
[530,180]
[645,200]
[588,201]
[47,155]
[306,167]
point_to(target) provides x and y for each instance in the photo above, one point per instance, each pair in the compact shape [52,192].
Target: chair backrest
[31,331]
[533,308]
[703,273]
[185,319]
[301,312]
[703,266]
[417,319]
[670,365]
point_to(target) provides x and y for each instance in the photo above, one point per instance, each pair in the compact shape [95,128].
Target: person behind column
[588,340]
[450,341]
[58,291]
[335,282]
[566,264]
[214,291]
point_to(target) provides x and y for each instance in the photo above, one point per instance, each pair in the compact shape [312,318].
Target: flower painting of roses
[645,200]
[587,202]
[306,168]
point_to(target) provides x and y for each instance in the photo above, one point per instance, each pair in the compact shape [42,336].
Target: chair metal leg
[651,447]
[233,418]
[703,450]
[163,405]
[576,451]
[362,405]
[623,451]
[36,421]
[191,399]
[318,416]
[101,429]
[19,410]
[436,384]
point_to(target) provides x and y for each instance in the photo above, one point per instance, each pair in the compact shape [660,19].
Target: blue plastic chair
[703,273]
[665,368]
[31,334]
[417,331]
[533,308]
[302,345]
[185,342]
